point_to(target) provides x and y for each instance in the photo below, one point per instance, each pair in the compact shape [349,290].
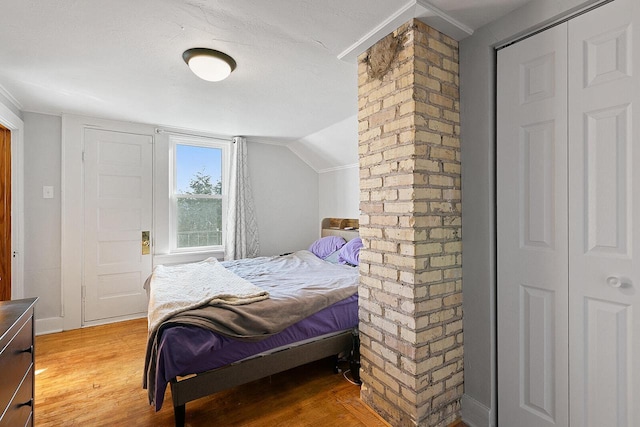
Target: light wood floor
[93,377]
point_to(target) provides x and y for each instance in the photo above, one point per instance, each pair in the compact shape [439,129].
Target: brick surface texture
[410,224]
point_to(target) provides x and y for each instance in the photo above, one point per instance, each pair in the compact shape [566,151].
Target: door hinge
[83,156]
[84,293]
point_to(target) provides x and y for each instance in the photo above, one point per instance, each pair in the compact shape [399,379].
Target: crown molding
[415,9]
[441,20]
[270,141]
[387,26]
[339,168]
[12,99]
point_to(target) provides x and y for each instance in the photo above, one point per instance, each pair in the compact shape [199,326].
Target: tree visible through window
[199,196]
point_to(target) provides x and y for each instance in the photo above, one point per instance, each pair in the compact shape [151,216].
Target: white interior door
[604,207]
[532,231]
[118,203]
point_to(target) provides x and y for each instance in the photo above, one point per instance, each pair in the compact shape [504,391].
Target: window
[198,195]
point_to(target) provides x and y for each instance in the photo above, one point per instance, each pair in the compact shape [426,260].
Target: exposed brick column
[410,224]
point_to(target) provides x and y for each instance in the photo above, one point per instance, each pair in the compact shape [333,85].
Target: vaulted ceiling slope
[121,59]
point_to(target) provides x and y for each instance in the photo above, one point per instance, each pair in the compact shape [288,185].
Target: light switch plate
[47,192]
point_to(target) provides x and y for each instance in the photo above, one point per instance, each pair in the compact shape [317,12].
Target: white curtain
[242,228]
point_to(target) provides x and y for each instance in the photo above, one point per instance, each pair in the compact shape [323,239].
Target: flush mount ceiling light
[209,64]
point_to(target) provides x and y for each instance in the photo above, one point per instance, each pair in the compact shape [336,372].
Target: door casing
[73,210]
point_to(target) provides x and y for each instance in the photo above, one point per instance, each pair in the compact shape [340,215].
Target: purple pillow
[350,253]
[325,246]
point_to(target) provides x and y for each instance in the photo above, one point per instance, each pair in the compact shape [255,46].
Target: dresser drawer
[20,408]
[15,360]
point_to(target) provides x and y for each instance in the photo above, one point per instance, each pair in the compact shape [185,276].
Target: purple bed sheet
[187,349]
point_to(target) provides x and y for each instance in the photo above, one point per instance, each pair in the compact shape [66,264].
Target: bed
[197,354]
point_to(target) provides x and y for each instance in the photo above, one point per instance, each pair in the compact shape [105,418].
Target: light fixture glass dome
[209,64]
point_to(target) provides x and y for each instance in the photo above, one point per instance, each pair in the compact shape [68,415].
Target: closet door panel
[532,232]
[604,201]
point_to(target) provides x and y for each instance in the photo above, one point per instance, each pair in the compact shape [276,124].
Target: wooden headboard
[348,228]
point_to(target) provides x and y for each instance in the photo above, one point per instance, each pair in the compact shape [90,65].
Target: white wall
[42,142]
[477,91]
[331,147]
[340,193]
[285,190]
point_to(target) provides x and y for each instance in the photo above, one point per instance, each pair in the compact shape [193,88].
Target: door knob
[614,281]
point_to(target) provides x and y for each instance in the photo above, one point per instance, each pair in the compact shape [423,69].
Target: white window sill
[186,257]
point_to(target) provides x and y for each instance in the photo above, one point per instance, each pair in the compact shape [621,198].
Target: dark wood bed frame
[236,374]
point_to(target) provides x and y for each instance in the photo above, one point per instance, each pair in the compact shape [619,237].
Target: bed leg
[334,364]
[179,413]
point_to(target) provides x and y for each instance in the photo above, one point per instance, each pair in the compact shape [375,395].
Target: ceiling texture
[296,73]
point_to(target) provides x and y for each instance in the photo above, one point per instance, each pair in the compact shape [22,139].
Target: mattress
[185,349]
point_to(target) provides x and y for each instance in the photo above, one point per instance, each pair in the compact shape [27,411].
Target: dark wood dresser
[16,362]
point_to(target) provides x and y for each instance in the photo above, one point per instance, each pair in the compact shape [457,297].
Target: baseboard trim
[49,325]
[474,413]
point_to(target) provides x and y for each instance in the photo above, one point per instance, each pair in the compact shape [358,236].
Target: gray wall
[42,147]
[340,193]
[477,89]
[285,190]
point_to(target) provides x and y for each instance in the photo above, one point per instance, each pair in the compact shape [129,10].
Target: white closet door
[532,231]
[604,207]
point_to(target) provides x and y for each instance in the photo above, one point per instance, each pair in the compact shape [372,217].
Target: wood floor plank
[93,377]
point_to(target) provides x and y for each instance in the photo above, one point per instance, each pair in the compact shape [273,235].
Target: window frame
[174,141]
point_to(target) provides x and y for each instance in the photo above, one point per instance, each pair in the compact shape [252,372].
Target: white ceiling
[121,59]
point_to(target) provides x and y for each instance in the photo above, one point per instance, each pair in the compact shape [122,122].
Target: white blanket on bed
[178,288]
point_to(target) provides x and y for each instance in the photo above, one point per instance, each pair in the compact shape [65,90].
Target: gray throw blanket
[299,285]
